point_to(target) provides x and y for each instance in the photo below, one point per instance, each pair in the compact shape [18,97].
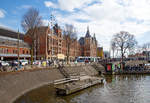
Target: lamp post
[18,49]
[52,19]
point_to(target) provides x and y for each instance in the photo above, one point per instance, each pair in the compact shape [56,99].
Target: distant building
[9,45]
[100,52]
[145,55]
[88,45]
[48,44]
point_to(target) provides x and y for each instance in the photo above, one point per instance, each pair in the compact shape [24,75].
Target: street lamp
[18,49]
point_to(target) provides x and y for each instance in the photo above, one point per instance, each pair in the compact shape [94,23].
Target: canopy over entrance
[61,56]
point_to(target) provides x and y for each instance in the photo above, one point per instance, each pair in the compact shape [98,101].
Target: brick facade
[48,44]
[51,43]
[75,48]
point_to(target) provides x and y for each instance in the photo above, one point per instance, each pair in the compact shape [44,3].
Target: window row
[13,51]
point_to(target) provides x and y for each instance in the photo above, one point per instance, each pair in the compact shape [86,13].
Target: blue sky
[14,10]
[104,17]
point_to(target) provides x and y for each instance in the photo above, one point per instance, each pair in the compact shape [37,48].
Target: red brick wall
[45,44]
[27,39]
[90,47]
[13,50]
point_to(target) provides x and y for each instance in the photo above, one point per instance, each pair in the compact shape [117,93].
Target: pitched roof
[13,42]
[10,33]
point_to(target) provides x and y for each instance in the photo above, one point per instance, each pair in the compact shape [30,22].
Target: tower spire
[88,32]
[94,36]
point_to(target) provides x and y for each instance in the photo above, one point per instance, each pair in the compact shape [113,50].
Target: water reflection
[116,89]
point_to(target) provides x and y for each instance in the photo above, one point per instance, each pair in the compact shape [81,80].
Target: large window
[14,51]
[7,51]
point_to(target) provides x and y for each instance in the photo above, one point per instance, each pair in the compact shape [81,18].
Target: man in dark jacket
[0,66]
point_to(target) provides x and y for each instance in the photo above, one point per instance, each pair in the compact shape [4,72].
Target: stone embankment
[80,70]
[15,84]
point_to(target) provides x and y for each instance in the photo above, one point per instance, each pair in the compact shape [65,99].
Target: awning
[60,56]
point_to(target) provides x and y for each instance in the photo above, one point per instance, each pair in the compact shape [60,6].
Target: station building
[49,43]
[9,45]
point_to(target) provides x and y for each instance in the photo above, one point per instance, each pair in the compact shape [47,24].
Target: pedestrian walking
[12,65]
[49,63]
[0,66]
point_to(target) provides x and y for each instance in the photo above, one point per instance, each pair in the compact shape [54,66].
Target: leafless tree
[123,42]
[31,20]
[70,36]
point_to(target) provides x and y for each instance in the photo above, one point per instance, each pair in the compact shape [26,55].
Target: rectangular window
[13,51]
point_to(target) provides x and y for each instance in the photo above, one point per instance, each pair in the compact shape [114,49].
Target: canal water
[116,89]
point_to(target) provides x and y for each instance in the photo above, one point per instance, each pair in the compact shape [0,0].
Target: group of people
[126,68]
[0,65]
[12,66]
[135,68]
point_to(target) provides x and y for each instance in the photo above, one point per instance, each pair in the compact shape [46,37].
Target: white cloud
[70,5]
[50,4]
[2,13]
[106,17]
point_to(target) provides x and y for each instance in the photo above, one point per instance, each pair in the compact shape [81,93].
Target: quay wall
[15,84]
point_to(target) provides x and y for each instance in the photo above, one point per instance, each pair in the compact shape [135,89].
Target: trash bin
[44,63]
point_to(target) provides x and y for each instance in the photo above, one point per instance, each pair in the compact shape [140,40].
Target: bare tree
[30,22]
[124,42]
[70,36]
